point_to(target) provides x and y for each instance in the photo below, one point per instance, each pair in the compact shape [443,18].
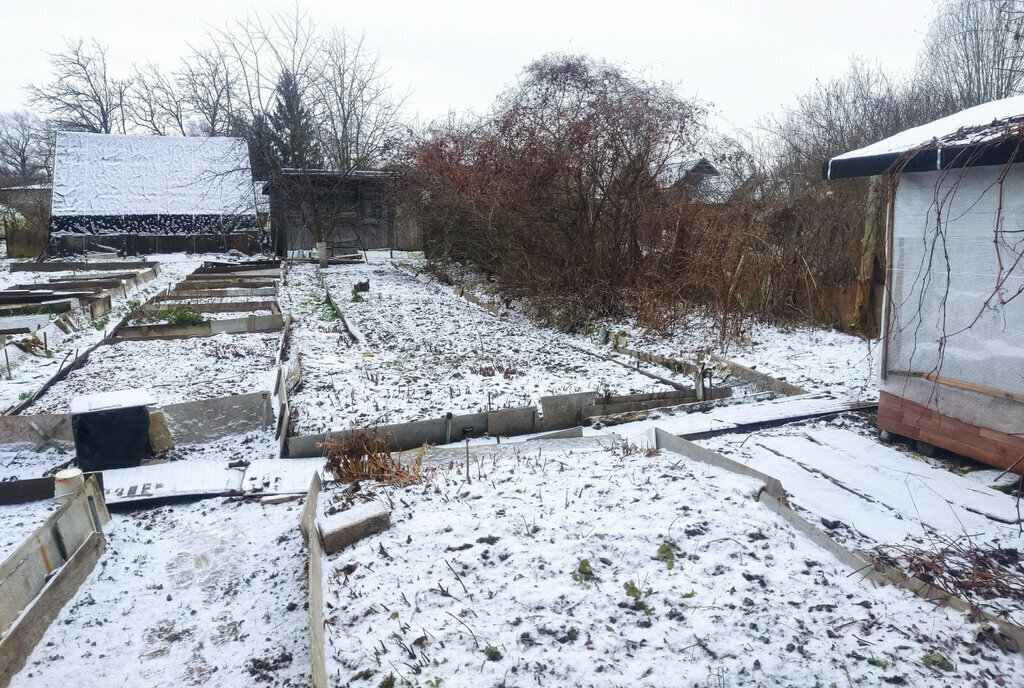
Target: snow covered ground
[867,494]
[815,359]
[31,371]
[210,593]
[213,592]
[425,352]
[587,565]
[172,370]
[20,521]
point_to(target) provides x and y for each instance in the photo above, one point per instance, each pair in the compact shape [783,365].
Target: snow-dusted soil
[598,567]
[184,300]
[20,521]
[31,371]
[20,464]
[252,446]
[209,593]
[426,352]
[815,359]
[172,370]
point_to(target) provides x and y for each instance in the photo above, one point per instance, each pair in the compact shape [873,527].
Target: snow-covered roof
[106,174]
[921,148]
[697,166]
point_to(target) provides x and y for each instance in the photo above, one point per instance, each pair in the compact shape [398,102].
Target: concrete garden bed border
[84,266]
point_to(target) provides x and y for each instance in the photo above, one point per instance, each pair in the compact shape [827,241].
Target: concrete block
[344,528]
[512,422]
[409,435]
[593,410]
[565,410]
[200,421]
[401,436]
[476,423]
[160,439]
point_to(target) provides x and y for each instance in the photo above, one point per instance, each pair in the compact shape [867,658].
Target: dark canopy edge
[996,153]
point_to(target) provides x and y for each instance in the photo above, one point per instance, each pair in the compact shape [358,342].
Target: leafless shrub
[365,455]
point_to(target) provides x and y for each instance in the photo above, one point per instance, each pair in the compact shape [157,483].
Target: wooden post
[863,315]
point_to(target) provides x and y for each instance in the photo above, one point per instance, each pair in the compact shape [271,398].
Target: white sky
[748,57]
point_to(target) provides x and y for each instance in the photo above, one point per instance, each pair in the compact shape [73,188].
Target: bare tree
[23,149]
[154,103]
[974,52]
[340,79]
[207,87]
[355,104]
[82,95]
[562,190]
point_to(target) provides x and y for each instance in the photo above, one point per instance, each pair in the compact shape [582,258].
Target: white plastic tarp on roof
[105,174]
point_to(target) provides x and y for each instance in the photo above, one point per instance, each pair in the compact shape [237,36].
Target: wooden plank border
[311,535]
[25,634]
[909,419]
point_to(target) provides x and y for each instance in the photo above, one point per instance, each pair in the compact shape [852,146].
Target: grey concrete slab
[209,419]
[511,422]
[565,410]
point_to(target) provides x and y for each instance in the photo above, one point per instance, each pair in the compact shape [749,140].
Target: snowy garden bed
[419,351]
[583,565]
[30,370]
[206,593]
[816,359]
[164,318]
[20,521]
[173,371]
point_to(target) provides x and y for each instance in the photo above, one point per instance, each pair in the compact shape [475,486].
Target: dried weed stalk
[367,456]
[961,568]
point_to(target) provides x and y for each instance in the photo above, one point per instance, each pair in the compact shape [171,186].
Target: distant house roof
[106,174]
[987,134]
[697,167]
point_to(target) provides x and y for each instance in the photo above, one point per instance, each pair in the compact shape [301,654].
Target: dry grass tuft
[367,456]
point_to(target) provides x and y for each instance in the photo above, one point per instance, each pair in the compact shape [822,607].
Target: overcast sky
[748,57]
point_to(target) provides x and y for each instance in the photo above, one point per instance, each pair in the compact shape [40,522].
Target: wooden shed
[952,352]
[353,209]
[152,193]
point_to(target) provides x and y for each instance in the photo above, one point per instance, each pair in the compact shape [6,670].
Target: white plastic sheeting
[958,239]
[105,174]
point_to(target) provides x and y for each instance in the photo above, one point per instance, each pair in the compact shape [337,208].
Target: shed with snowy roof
[155,192]
[952,353]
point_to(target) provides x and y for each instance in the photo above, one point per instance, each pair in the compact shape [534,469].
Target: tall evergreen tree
[292,125]
[262,141]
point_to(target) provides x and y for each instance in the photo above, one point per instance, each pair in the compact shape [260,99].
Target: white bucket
[66,483]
